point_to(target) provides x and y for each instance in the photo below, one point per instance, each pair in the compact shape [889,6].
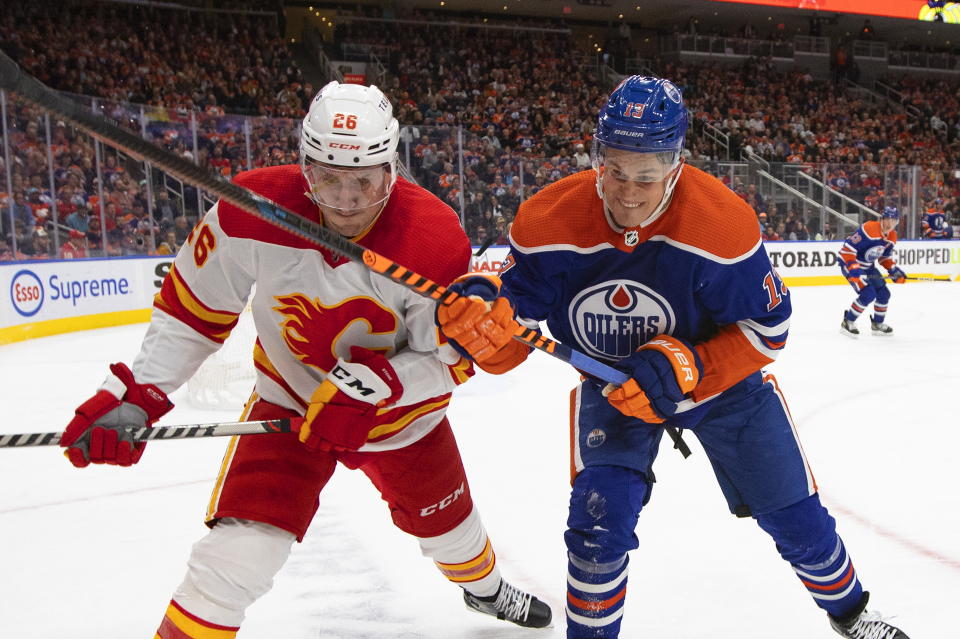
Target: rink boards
[42,298]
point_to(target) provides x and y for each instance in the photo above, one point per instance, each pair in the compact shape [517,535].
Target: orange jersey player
[356,354]
[658,269]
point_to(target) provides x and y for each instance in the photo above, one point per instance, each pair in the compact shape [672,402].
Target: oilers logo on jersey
[874,253]
[612,319]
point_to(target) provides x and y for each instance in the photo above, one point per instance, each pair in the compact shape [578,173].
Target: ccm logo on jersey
[678,355]
[443,503]
[348,147]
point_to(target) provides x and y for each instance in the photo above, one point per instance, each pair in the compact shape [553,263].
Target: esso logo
[26,293]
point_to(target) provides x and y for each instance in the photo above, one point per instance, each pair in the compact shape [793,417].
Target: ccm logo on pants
[443,503]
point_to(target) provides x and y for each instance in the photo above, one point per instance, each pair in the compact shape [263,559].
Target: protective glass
[641,167]
[349,188]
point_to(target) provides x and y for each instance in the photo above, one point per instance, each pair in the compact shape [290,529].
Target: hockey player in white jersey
[315,313]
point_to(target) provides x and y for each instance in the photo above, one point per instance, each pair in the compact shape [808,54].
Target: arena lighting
[926,10]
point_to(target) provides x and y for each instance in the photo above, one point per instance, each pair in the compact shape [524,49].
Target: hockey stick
[483,247]
[12,78]
[945,278]
[186,431]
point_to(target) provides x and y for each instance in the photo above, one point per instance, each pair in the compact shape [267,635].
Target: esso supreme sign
[26,293]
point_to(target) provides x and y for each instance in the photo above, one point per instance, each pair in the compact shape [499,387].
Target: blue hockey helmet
[644,114]
[890,212]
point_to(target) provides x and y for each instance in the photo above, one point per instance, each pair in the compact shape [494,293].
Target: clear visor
[349,188]
[634,166]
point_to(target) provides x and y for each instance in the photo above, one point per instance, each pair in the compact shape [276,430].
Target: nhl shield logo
[612,319]
[631,238]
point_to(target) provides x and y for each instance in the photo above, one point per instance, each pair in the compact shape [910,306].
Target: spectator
[79,219]
[21,210]
[75,246]
[181,228]
[582,157]
[169,244]
[40,246]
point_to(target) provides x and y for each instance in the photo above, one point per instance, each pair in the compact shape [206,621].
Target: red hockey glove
[100,432]
[663,372]
[343,409]
[481,324]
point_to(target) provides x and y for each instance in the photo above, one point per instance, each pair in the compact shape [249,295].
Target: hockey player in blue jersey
[934,226]
[872,242]
[659,269]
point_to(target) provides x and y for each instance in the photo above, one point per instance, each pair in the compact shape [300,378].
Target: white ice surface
[96,553]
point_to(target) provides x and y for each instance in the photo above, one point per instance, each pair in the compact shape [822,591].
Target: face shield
[634,166]
[349,188]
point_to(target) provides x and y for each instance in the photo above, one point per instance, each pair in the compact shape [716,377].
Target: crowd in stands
[213,63]
[845,140]
[525,100]
[489,114]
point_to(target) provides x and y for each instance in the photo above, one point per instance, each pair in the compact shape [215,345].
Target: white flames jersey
[311,305]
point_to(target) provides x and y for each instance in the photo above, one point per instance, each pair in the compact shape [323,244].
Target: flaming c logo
[308,326]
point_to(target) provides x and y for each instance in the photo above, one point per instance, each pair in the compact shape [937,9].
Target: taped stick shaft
[186,431]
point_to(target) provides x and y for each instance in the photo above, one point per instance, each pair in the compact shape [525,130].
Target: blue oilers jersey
[698,271]
[934,226]
[868,245]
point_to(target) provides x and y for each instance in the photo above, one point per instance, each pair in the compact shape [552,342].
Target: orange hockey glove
[663,372]
[343,409]
[481,324]
[99,433]
[897,275]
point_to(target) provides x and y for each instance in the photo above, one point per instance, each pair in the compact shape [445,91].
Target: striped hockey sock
[477,574]
[854,312]
[595,597]
[879,313]
[179,624]
[833,583]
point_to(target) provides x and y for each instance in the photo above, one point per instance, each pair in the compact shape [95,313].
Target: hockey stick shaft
[186,431]
[945,278]
[12,78]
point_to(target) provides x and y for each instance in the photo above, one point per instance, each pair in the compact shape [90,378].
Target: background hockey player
[315,312]
[871,243]
[660,269]
[934,225]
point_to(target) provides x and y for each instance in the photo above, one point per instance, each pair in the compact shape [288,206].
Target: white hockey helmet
[349,127]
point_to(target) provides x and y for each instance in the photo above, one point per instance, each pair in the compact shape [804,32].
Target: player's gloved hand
[481,324]
[856,276]
[99,432]
[343,409]
[662,374]
[897,275]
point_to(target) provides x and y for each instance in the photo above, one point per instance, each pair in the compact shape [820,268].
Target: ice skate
[512,604]
[861,624]
[849,328]
[880,328]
